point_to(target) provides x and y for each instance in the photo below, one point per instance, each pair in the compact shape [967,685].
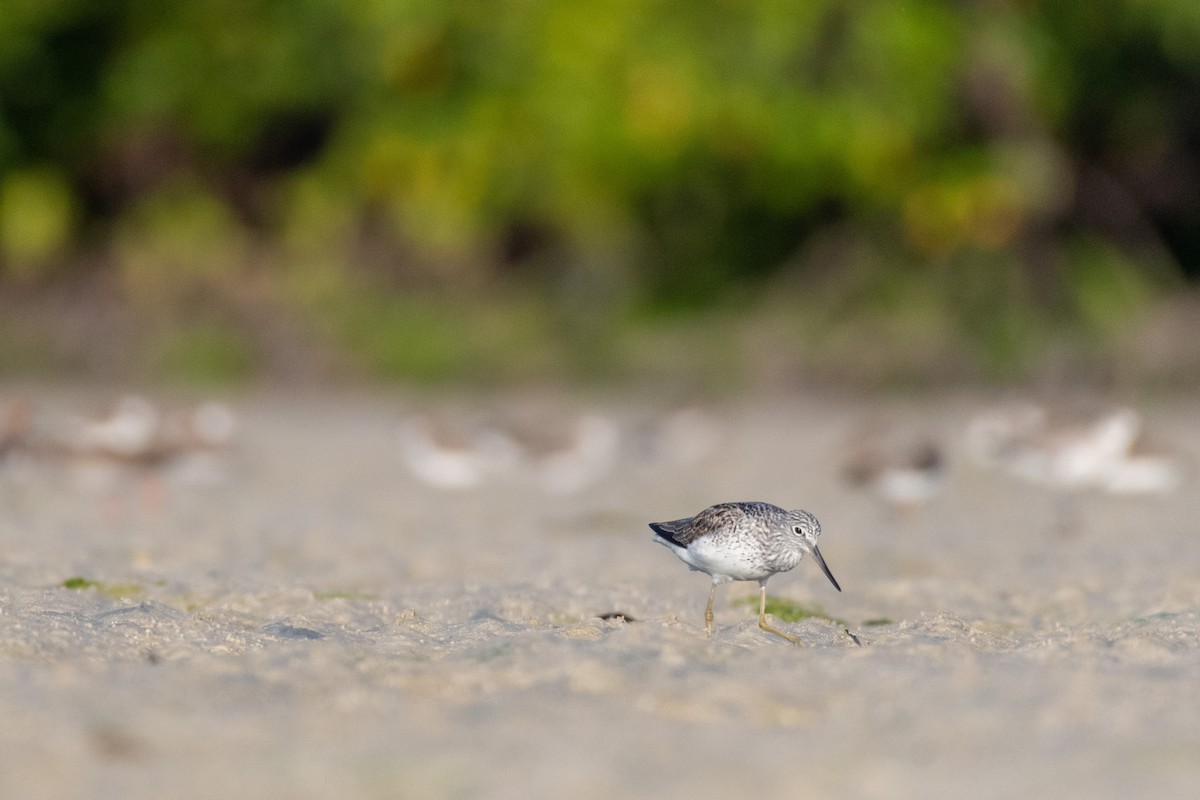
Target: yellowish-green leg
[708,615]
[762,614]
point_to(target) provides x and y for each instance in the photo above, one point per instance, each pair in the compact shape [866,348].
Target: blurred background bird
[905,471]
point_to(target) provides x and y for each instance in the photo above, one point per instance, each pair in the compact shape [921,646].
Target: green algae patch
[786,610]
[116,591]
[349,595]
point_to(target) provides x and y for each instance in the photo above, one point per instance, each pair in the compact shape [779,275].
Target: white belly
[722,563]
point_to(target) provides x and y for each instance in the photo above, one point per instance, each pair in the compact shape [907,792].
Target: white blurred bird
[452,452]
[905,474]
[553,452]
[131,430]
[1108,452]
[16,445]
[571,458]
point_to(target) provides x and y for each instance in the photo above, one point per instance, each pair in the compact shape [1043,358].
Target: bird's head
[805,527]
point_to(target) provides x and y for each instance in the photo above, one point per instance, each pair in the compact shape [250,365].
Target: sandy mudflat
[324,626]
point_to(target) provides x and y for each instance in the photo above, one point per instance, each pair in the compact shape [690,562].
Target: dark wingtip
[664,533]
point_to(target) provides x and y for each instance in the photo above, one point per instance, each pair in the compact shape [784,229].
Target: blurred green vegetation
[440,188]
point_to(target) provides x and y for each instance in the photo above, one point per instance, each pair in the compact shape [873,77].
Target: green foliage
[430,339]
[179,246]
[1110,291]
[37,212]
[205,353]
[1004,167]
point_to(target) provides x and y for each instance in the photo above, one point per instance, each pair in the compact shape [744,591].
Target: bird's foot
[762,623]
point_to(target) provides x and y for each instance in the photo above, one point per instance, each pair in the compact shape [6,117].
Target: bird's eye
[798,530]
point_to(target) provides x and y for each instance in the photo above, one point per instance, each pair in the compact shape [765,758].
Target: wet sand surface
[320,624]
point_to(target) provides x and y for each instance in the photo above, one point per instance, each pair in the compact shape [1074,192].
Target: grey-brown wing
[677,531]
[685,531]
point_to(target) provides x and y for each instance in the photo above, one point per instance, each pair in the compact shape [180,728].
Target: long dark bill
[821,563]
